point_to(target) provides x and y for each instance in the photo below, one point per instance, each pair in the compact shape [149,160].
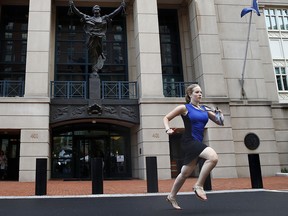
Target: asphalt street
[244,203]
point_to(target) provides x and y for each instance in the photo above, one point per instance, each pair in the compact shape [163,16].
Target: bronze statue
[95,28]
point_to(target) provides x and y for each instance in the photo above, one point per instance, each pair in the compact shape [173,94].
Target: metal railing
[109,90]
[112,89]
[175,89]
[68,89]
[11,88]
[119,90]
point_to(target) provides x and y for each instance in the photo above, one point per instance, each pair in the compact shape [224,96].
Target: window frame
[277,38]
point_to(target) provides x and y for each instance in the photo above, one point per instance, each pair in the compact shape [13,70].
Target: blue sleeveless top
[194,122]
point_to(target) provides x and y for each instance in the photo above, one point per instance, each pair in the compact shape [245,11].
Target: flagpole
[245,58]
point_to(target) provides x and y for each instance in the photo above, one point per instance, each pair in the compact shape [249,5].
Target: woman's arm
[175,112]
[219,120]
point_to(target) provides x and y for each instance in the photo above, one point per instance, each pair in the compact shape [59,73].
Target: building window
[172,72]
[170,46]
[277,27]
[72,63]
[13,42]
[276,19]
[281,78]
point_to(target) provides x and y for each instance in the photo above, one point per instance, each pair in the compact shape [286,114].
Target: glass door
[73,149]
[85,149]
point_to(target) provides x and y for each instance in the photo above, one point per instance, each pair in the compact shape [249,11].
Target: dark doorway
[10,145]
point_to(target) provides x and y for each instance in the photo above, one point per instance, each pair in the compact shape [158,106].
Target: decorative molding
[279,63]
[64,112]
[283,97]
[274,34]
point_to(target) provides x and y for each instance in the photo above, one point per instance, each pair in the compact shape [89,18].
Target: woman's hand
[169,131]
[216,116]
[219,117]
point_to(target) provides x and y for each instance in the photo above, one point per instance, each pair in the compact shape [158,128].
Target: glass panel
[274,23]
[268,22]
[279,12]
[278,78]
[285,82]
[118,157]
[8,35]
[286,22]
[165,38]
[12,72]
[13,44]
[71,155]
[281,22]
[170,43]
[9,26]
[62,156]
[277,70]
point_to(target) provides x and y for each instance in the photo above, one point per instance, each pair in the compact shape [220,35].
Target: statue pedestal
[95,101]
[94,87]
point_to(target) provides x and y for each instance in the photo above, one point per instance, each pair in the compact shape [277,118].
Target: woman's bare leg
[211,159]
[186,171]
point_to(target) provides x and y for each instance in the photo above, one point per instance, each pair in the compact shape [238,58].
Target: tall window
[72,63]
[170,53]
[170,46]
[277,26]
[13,42]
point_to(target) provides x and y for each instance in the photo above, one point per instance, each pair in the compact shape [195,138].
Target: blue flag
[254,8]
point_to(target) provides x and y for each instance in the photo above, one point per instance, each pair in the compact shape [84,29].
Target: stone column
[149,77]
[206,48]
[147,49]
[35,108]
[38,44]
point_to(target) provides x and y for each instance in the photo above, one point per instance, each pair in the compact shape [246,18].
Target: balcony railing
[68,89]
[11,88]
[175,89]
[112,90]
[119,90]
[109,90]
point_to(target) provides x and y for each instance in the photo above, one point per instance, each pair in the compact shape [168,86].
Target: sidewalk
[74,188]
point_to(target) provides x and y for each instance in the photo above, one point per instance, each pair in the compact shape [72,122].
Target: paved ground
[71,188]
[255,203]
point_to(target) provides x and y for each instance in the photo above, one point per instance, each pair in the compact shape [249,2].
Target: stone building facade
[210,50]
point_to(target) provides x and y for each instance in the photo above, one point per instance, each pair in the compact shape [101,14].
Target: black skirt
[191,149]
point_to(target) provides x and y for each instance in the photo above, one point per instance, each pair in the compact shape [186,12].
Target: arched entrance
[73,146]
